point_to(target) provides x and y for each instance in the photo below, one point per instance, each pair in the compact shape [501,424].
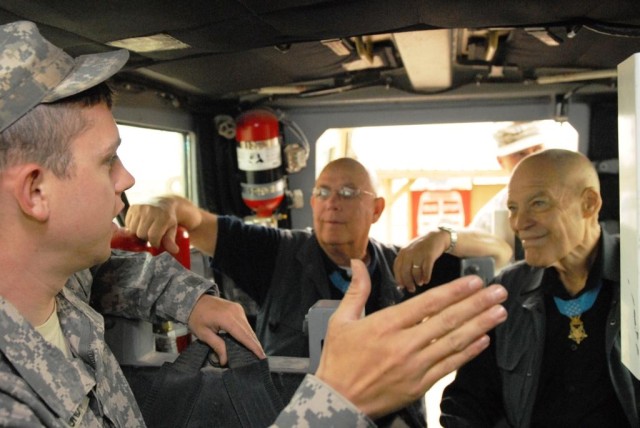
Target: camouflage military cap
[34,71]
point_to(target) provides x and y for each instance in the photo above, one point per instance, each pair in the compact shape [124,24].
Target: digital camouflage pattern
[39,386]
[33,71]
[315,404]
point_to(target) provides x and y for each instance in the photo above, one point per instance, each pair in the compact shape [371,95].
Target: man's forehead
[341,176]
[100,130]
[528,187]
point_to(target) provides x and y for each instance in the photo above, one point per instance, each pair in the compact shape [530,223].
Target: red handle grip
[124,239]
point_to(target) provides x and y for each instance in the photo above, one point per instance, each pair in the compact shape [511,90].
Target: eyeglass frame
[316,193]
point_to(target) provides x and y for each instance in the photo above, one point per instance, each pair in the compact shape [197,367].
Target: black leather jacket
[284,272]
[505,388]
[299,280]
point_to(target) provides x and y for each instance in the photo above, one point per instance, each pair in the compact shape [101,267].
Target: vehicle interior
[323,66]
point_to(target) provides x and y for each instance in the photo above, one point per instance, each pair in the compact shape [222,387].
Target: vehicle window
[431,174]
[158,160]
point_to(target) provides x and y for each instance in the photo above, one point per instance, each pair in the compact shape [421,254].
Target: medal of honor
[573,309]
[576,329]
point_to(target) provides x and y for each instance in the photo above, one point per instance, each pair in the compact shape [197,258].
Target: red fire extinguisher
[260,161]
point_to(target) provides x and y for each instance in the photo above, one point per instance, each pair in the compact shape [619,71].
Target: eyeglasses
[345,192]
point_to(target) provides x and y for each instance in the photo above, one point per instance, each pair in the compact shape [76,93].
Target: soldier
[60,187]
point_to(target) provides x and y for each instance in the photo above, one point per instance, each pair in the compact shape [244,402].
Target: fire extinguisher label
[259,159]
[258,192]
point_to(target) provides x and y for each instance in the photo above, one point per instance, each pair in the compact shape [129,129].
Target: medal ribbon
[575,307]
[341,278]
[338,280]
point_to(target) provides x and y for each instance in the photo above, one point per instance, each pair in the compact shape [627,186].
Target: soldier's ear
[30,189]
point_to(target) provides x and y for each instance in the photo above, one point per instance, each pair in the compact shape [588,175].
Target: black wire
[614,30]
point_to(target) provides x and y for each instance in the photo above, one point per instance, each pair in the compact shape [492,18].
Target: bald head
[553,201]
[570,168]
[342,223]
[363,177]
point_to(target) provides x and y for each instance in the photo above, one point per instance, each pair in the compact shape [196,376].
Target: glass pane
[157,160]
[421,167]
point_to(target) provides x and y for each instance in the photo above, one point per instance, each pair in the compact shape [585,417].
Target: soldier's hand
[212,314]
[390,358]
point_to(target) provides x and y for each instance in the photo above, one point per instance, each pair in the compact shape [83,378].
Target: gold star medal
[576,329]
[573,309]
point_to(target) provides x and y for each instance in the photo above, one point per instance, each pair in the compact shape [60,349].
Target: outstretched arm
[158,220]
[414,263]
[390,358]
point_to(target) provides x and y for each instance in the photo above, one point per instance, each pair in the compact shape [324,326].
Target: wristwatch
[453,235]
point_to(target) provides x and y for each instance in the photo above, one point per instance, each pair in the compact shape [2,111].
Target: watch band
[453,235]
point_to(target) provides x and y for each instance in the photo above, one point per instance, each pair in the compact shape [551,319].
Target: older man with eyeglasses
[288,271]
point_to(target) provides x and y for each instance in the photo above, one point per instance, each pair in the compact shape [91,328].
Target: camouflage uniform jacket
[40,387]
[315,404]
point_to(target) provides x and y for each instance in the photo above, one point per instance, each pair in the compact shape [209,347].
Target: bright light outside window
[431,174]
[157,160]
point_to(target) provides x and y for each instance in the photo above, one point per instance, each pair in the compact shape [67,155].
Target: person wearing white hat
[514,143]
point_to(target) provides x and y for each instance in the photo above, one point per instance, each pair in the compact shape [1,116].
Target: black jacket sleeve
[474,398]
[247,254]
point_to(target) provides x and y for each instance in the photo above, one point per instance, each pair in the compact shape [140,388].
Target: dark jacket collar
[609,254]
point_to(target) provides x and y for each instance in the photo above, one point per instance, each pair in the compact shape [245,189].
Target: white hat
[517,137]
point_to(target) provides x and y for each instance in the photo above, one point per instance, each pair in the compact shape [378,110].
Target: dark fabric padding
[192,392]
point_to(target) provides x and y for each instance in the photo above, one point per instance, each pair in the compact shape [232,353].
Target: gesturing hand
[390,358]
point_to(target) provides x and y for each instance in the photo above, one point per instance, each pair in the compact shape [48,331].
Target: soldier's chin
[103,256]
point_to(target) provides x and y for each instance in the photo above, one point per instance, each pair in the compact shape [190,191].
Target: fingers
[352,305]
[453,362]
[453,322]
[168,241]
[247,338]
[239,328]
[213,314]
[457,334]
[403,272]
[414,264]
[416,309]
[216,343]
[449,352]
